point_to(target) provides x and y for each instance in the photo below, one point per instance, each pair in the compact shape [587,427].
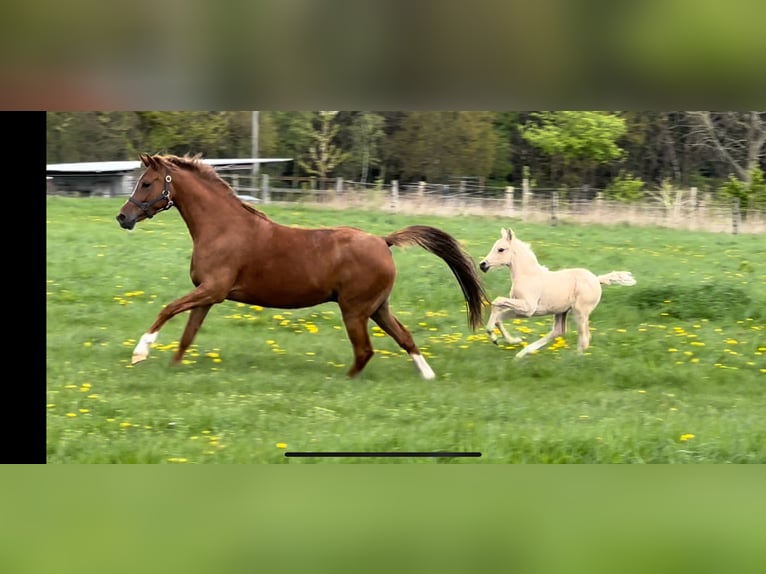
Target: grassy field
[676,372]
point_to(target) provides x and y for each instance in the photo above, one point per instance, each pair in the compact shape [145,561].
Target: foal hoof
[137,359]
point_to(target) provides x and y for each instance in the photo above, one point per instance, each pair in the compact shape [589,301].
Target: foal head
[507,251]
[151,194]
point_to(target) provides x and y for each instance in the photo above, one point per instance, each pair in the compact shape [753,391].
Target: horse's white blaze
[422,365]
[142,347]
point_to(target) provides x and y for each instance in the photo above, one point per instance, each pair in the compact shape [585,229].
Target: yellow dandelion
[71,414]
[685,437]
[84,411]
[178,459]
[281,445]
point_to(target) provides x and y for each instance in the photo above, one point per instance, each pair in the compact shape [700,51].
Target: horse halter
[145,205]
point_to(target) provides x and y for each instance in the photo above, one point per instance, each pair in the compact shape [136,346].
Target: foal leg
[399,333]
[559,328]
[200,297]
[583,330]
[503,307]
[496,320]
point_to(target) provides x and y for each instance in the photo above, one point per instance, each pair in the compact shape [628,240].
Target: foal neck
[524,260]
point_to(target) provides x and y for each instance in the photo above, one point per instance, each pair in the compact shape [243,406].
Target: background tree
[577,142]
[738,139]
[436,145]
[361,134]
[293,135]
[323,156]
[560,148]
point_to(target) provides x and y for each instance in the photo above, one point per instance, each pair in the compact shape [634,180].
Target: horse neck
[524,262]
[203,208]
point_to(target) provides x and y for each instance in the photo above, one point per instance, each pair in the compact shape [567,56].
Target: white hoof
[142,348]
[423,367]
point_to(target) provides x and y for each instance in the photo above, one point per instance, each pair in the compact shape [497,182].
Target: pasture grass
[676,372]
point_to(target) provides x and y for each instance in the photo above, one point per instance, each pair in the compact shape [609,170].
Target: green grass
[681,353]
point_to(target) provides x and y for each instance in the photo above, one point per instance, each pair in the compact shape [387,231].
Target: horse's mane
[194,163]
[526,248]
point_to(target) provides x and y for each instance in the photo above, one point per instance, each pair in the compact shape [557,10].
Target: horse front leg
[196,317]
[200,300]
[510,307]
[496,317]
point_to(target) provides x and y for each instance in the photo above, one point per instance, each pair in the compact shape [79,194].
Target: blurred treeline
[624,153]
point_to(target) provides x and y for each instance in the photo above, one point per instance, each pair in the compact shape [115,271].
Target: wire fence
[680,209]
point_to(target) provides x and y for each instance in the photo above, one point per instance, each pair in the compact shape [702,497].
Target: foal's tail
[617,278]
[460,263]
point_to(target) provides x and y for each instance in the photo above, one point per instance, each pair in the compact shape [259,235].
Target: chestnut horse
[239,254]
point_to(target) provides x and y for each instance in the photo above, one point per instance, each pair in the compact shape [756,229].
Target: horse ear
[144,159]
[506,233]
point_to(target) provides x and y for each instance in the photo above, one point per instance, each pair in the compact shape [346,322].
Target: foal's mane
[525,248]
[195,164]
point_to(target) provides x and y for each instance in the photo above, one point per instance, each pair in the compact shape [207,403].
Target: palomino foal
[538,291]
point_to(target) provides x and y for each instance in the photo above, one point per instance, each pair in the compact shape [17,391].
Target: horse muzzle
[125,221]
[484,266]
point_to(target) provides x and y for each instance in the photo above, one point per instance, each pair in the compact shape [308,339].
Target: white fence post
[421,189]
[395,196]
[554,208]
[525,193]
[265,192]
[693,204]
[509,200]
[338,187]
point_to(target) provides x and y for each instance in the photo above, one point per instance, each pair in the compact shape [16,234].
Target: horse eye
[145,184]
[500,249]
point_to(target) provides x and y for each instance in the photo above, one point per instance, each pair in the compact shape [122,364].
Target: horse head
[500,254]
[151,194]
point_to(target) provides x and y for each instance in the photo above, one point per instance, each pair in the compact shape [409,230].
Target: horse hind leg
[356,327]
[558,330]
[399,333]
[583,331]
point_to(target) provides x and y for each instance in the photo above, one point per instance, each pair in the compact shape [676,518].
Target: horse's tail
[460,263]
[617,278]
